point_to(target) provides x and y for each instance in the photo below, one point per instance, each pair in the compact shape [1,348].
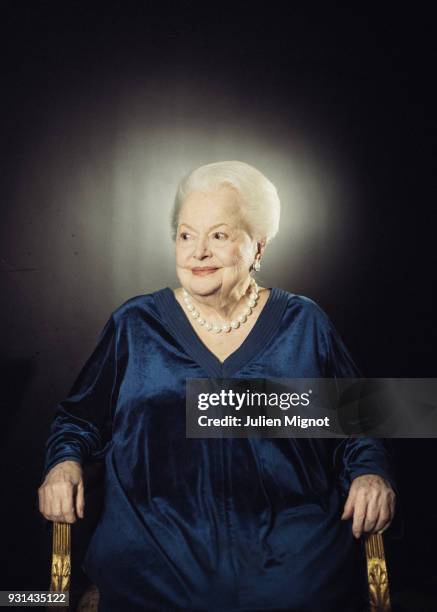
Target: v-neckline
[263,330]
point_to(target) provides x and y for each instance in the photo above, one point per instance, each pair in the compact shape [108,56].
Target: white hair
[261,204]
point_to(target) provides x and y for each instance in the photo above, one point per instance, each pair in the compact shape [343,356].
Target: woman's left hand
[371,503]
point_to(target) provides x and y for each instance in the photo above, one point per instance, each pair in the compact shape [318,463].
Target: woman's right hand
[61,495]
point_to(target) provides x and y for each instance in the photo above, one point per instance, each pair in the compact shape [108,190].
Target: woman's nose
[202,248]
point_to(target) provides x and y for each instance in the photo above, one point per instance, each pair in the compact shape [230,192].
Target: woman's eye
[184,235]
[220,235]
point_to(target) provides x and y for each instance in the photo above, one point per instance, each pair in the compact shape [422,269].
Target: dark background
[360,82]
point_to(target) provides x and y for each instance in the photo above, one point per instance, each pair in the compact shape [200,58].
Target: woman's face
[214,250]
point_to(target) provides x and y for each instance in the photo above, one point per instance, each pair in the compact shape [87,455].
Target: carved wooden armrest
[61,570]
[61,557]
[377,575]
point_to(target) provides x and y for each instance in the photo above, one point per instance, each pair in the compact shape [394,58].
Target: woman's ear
[261,245]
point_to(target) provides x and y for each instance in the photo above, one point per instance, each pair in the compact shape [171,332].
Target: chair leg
[377,575]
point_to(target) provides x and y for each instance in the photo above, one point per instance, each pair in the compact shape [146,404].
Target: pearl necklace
[225,327]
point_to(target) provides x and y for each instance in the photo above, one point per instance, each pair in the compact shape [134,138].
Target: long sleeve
[354,456]
[81,428]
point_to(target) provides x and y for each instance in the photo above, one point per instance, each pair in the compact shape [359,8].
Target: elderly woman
[215,524]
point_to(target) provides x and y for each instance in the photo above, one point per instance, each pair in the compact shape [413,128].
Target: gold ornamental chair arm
[377,575]
[61,557]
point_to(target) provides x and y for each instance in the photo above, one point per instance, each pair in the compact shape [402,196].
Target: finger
[40,500]
[43,503]
[372,514]
[349,506]
[51,509]
[392,505]
[67,504]
[384,518]
[58,495]
[54,503]
[359,515]
[80,500]
[381,531]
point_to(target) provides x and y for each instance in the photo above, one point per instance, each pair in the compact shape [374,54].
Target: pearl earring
[256,265]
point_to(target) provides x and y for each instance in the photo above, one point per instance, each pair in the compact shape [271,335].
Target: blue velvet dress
[213,524]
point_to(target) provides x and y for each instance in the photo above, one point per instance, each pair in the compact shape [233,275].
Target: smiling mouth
[203,271]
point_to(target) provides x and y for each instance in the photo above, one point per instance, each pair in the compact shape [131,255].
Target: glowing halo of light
[106,171]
